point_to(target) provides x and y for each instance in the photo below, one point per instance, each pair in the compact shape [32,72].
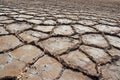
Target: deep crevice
[9,78]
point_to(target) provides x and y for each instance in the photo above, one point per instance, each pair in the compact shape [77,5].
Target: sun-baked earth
[59,40]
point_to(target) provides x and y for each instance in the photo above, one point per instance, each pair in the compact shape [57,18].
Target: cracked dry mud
[58,45]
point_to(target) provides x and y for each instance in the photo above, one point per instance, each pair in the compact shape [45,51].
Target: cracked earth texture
[58,44]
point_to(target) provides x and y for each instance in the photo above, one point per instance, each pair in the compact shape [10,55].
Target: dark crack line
[11,49]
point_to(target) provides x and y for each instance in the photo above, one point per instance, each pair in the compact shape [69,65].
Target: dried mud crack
[58,44]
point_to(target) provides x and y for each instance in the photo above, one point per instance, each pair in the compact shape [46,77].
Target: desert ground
[59,39]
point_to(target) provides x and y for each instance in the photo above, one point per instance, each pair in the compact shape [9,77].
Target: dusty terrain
[59,40]
[110,7]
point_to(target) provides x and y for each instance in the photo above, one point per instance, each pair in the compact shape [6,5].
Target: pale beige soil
[110,7]
[59,40]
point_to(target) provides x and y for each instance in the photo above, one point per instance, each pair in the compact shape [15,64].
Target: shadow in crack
[9,78]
